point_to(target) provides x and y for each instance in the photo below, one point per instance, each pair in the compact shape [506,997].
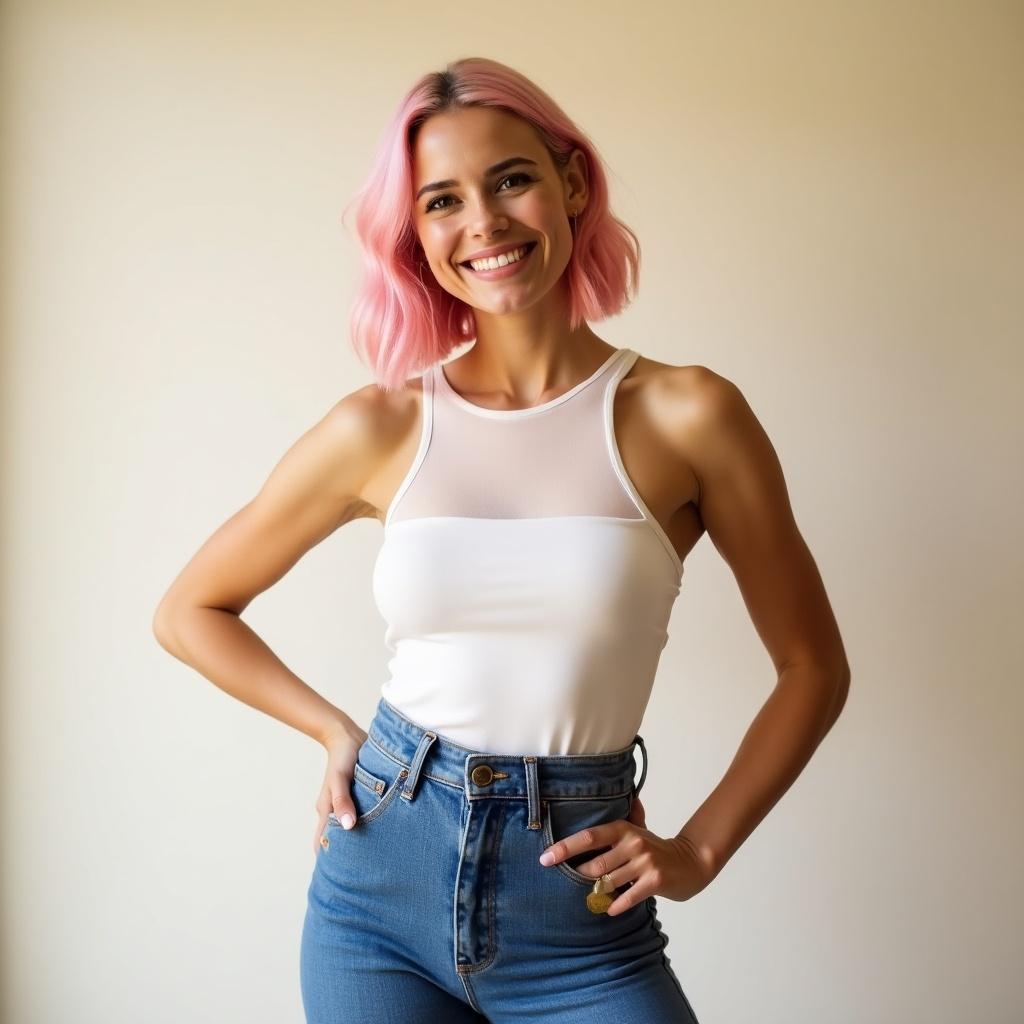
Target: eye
[434,204]
[518,174]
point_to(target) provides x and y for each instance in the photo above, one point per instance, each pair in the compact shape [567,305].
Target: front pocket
[376,780]
[564,818]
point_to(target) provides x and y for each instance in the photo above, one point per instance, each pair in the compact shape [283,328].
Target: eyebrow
[436,186]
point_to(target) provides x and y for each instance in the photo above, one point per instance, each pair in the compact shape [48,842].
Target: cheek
[541,212]
[438,242]
[547,217]
[439,249]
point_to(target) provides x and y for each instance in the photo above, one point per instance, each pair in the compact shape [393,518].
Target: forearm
[221,647]
[780,741]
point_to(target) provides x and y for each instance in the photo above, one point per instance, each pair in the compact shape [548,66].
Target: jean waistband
[482,774]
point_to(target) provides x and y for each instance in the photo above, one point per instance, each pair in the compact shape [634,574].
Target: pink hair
[402,320]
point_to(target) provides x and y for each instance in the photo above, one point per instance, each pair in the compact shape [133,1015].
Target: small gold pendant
[602,896]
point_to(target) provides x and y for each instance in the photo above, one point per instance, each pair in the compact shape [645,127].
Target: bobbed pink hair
[402,320]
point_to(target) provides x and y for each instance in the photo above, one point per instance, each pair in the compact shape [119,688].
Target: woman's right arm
[316,487]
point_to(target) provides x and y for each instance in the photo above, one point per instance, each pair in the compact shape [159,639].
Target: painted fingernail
[547,859]
[347,821]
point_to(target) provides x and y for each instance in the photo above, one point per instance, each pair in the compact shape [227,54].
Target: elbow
[163,627]
[843,687]
[842,691]
[839,695]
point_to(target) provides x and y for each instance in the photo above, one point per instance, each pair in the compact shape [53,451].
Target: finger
[343,807]
[613,861]
[592,838]
[322,808]
[635,894]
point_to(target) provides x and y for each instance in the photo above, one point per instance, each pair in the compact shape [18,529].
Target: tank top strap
[427,386]
[622,366]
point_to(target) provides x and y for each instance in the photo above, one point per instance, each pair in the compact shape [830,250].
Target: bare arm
[744,505]
[314,489]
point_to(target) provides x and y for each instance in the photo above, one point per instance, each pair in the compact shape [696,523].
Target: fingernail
[547,859]
[347,821]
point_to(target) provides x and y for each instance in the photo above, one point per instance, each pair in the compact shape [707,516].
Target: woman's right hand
[336,792]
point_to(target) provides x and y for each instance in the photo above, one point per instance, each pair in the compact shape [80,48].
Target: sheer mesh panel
[553,460]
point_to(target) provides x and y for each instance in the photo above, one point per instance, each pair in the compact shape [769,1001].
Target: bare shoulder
[684,399]
[367,419]
[707,423]
[363,431]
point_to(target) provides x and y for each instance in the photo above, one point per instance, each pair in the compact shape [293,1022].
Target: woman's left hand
[648,864]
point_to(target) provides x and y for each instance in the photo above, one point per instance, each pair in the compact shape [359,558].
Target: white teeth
[503,260]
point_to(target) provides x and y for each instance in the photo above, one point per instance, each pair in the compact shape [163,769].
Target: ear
[575,177]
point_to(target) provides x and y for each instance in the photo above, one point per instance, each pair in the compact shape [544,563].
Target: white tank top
[525,585]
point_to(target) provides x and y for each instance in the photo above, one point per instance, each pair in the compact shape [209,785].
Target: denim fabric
[435,908]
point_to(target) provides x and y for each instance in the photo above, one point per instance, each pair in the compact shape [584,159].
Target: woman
[538,494]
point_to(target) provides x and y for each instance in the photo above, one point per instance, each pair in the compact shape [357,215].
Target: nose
[486,220]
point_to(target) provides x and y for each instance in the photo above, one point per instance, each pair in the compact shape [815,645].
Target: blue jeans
[434,906]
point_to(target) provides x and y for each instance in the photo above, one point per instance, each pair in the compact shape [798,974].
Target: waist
[514,776]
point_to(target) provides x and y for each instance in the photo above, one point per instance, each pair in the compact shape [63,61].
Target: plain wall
[828,196]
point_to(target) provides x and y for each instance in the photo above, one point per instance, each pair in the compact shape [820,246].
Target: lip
[508,270]
[495,250]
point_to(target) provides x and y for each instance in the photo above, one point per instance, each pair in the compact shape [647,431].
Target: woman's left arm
[744,506]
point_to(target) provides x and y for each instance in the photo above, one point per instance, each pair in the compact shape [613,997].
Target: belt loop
[638,741]
[409,789]
[532,793]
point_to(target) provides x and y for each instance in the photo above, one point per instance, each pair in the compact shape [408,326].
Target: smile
[501,266]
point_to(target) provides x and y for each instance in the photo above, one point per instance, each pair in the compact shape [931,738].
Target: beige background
[829,201]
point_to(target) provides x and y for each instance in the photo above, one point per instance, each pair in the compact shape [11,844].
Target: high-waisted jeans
[435,909]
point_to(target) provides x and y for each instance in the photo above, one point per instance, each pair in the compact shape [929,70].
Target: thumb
[344,809]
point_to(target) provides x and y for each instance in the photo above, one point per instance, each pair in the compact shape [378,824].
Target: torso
[650,409]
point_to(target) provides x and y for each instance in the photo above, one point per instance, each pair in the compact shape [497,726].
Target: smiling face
[483,181]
